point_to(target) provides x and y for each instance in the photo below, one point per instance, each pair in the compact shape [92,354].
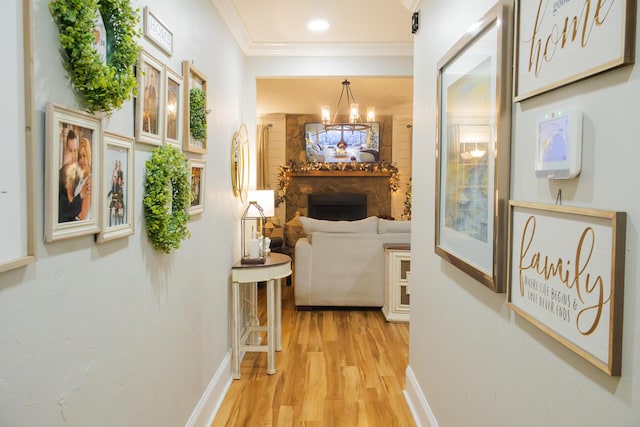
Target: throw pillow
[293,231]
[387,226]
[367,225]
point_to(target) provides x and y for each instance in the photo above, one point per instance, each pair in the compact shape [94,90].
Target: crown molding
[234,23]
[330,49]
[250,48]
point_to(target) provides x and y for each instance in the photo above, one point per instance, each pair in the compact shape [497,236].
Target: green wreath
[167,198]
[104,87]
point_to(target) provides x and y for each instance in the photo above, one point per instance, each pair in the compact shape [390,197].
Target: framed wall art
[560,42]
[72,173]
[567,277]
[195,115]
[174,109]
[116,197]
[473,150]
[150,105]
[17,163]
[198,176]
[156,31]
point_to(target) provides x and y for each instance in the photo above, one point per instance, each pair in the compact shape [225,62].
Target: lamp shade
[265,199]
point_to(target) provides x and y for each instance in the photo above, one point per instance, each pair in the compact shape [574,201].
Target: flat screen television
[333,146]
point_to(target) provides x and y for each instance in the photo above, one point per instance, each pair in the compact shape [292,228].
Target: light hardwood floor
[336,368]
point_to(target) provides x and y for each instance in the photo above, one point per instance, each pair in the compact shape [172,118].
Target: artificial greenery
[103,87]
[284,177]
[407,201]
[198,114]
[167,198]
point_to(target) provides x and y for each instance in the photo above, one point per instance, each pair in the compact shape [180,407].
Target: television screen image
[334,145]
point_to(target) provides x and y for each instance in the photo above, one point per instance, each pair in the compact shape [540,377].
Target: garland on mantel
[284,174]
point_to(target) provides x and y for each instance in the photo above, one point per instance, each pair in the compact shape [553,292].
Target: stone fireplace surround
[374,186]
[376,189]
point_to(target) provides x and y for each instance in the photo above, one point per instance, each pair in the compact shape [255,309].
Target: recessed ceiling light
[318,25]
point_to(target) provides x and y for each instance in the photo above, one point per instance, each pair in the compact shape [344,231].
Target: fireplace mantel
[341,173]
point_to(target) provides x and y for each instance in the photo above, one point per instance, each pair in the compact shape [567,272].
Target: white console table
[276,267]
[397,269]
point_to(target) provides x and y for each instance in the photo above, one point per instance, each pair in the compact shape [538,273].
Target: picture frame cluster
[90,171]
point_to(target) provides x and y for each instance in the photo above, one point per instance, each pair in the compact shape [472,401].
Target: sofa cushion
[367,225]
[387,226]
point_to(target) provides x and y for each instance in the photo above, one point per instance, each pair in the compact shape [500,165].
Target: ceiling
[272,27]
[357,28]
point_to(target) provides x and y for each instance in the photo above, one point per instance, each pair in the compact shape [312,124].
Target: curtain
[262,180]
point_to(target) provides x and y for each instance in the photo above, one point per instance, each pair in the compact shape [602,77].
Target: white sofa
[341,263]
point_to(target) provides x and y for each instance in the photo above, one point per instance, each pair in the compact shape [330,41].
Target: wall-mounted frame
[240,162]
[156,31]
[17,163]
[198,178]
[174,109]
[566,271]
[473,150]
[561,43]
[116,197]
[72,173]
[193,78]
[150,105]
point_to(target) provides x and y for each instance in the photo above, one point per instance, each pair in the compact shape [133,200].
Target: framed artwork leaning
[473,150]
[116,196]
[150,107]
[72,173]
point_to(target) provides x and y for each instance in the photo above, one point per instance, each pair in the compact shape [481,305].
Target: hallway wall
[117,334]
[472,361]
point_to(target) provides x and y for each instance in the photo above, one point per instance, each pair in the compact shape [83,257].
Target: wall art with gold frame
[557,43]
[193,78]
[473,149]
[566,271]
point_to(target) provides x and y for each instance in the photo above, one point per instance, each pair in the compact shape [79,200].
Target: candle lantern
[252,229]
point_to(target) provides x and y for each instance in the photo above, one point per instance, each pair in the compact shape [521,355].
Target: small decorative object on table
[253,227]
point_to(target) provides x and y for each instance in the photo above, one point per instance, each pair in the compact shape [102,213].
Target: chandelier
[355,122]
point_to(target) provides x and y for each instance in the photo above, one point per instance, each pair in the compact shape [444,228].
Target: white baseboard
[209,404]
[418,404]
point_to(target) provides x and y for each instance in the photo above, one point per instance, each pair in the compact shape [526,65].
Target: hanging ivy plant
[198,114]
[104,87]
[167,198]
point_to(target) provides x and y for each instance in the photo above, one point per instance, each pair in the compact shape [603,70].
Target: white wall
[475,362]
[117,334]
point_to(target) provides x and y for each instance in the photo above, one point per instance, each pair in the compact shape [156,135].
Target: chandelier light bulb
[353,115]
[371,114]
[326,113]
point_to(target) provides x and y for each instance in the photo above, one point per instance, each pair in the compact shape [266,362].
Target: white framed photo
[117,191]
[72,179]
[174,108]
[150,107]
[198,177]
